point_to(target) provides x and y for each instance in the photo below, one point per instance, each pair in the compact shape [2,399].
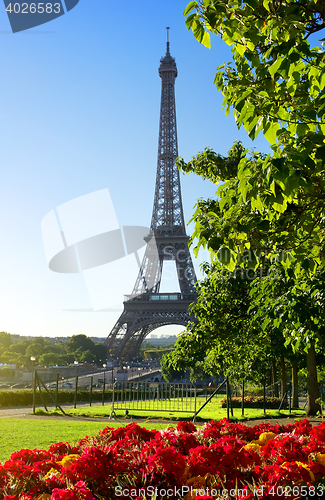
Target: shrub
[254,401]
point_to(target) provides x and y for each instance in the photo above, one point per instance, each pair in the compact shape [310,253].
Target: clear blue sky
[80,103]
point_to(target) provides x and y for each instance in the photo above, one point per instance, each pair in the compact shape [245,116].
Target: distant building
[159,341]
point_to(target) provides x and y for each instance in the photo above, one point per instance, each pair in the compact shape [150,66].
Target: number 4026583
[33,8]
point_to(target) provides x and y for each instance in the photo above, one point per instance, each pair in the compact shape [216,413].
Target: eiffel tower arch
[146,308]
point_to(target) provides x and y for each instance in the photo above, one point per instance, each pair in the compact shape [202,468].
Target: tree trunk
[283,376]
[312,384]
[295,401]
[274,379]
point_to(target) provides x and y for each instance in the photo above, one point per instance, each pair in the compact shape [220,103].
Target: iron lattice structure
[147,309]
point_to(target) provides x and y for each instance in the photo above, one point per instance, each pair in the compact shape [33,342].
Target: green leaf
[225,255]
[270,133]
[189,20]
[206,40]
[275,66]
[266,5]
[190,6]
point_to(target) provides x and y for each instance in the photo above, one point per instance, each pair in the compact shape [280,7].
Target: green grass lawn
[212,411]
[17,433]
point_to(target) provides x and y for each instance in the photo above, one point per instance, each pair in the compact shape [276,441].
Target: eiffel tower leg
[126,337]
[117,334]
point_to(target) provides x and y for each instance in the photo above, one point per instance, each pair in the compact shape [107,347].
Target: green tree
[86,356]
[269,208]
[5,341]
[243,324]
[296,307]
[21,346]
[79,342]
[51,359]
[275,85]
[223,336]
[34,349]
[168,372]
[12,358]
[198,371]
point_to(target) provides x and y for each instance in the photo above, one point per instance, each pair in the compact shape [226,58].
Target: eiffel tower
[146,309]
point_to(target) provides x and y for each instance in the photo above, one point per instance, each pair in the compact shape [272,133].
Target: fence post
[34,392]
[290,394]
[91,390]
[242,397]
[227,391]
[264,395]
[113,396]
[103,397]
[230,401]
[57,390]
[76,392]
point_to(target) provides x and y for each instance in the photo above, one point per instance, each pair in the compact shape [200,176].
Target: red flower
[63,495]
[302,427]
[168,459]
[59,450]
[31,456]
[94,464]
[187,427]
[78,492]
[285,447]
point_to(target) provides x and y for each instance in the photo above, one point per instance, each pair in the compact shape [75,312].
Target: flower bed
[216,460]
[254,401]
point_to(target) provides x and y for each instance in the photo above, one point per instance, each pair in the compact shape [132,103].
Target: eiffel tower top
[167,63]
[167,216]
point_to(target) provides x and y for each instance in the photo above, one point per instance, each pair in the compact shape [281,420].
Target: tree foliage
[275,85]
[224,335]
[46,352]
[270,208]
[168,372]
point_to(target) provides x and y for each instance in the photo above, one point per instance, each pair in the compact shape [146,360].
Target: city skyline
[80,114]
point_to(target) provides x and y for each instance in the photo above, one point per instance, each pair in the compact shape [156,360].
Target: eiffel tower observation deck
[146,309]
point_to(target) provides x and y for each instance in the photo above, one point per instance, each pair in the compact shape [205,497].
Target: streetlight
[33,359]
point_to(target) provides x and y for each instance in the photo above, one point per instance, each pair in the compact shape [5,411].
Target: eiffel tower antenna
[146,309]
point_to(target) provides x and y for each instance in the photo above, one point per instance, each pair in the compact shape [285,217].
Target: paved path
[27,411]
[15,412]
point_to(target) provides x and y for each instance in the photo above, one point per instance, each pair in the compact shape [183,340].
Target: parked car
[4,386]
[67,384]
[51,386]
[18,386]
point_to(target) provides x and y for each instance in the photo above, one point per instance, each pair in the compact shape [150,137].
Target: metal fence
[154,396]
